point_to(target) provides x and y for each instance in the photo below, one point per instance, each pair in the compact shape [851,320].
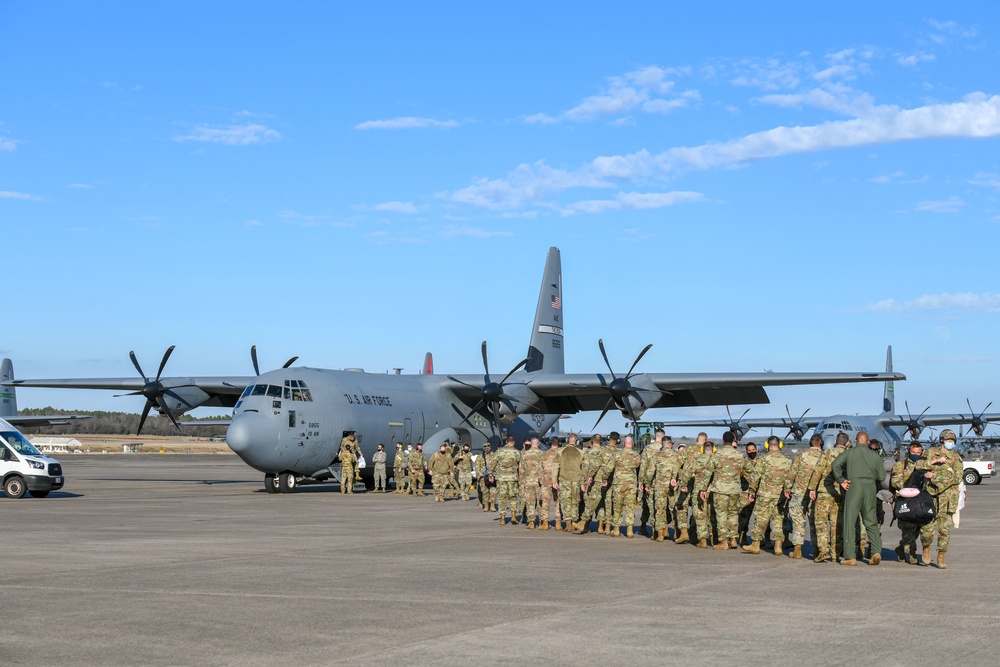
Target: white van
[25,469]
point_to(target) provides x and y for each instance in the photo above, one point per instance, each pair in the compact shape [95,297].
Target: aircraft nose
[252,437]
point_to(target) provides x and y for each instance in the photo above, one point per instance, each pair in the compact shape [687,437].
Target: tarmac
[184,560]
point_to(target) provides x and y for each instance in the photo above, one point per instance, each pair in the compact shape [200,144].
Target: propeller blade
[600,344]
[163,362]
[290,362]
[607,407]
[135,362]
[171,393]
[486,365]
[142,419]
[470,386]
[131,393]
[637,359]
[253,358]
[166,411]
[514,370]
[465,419]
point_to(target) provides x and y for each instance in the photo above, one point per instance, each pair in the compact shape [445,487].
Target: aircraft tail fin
[889,398]
[428,368]
[545,351]
[8,398]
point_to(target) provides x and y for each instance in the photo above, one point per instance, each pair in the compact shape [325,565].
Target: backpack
[918,509]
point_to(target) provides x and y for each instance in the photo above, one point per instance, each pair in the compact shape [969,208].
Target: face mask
[949,445]
[915,457]
[751,455]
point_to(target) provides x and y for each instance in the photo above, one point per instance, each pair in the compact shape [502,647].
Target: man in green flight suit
[858,471]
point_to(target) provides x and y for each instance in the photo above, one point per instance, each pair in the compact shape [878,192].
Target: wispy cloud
[22,196]
[405,207]
[406,123]
[473,232]
[963,301]
[232,135]
[913,59]
[80,186]
[7,145]
[942,32]
[986,179]
[383,237]
[632,200]
[950,205]
[900,178]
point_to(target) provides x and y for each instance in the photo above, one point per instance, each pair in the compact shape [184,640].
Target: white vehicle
[974,471]
[25,469]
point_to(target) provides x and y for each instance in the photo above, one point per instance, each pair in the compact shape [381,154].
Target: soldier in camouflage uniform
[463,466]
[545,502]
[441,468]
[767,488]
[416,462]
[531,473]
[825,491]
[644,496]
[378,458]
[746,504]
[348,461]
[487,492]
[661,480]
[566,472]
[694,470]
[398,466]
[943,472]
[685,485]
[594,476]
[797,493]
[351,443]
[605,508]
[900,477]
[506,464]
[722,479]
[625,487]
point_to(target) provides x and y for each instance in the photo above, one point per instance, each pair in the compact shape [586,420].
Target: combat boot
[660,534]
[628,532]
[614,532]
[753,547]
[925,557]
[901,554]
[683,539]
[544,525]
[849,561]
[513,521]
[600,527]
[733,543]
[503,521]
[913,554]
[823,557]
[940,561]
[796,553]
[778,551]
[702,543]
[875,559]
[722,545]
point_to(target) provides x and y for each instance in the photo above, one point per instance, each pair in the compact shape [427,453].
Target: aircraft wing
[781,422]
[219,391]
[43,420]
[952,419]
[572,393]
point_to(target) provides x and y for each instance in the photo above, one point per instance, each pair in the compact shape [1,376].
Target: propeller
[797,429]
[491,394]
[914,427]
[736,425]
[620,388]
[256,367]
[154,391]
[976,422]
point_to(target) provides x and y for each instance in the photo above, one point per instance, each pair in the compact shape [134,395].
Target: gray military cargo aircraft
[8,404]
[887,427]
[288,423]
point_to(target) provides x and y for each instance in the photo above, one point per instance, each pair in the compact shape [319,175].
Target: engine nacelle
[641,400]
[521,398]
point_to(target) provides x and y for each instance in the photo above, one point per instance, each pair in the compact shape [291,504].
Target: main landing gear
[284,482]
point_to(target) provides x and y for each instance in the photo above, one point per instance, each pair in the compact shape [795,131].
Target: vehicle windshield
[19,443]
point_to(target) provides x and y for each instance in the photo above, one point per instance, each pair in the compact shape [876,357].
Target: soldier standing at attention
[545,501]
[746,505]
[767,489]
[659,482]
[591,478]
[347,463]
[625,487]
[463,464]
[378,458]
[566,473]
[943,472]
[531,474]
[441,468]
[644,496]
[858,471]
[417,462]
[507,464]
[398,466]
[698,464]
[797,493]
[722,480]
[900,478]
[481,488]
[825,491]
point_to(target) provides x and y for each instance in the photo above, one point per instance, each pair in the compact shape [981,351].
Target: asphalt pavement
[182,560]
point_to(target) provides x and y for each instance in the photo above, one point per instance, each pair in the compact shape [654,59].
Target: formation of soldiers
[709,496]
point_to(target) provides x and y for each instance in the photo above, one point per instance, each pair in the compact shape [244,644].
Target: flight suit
[864,469]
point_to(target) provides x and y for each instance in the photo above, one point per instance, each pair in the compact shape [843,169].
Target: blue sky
[792,189]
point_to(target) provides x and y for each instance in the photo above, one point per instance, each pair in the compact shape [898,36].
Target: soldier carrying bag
[916,507]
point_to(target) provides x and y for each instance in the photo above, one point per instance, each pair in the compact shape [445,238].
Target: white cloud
[945,31]
[987,179]
[473,232]
[963,301]
[80,186]
[900,178]
[7,144]
[233,135]
[632,200]
[950,205]
[913,59]
[768,74]
[396,207]
[405,123]
[22,196]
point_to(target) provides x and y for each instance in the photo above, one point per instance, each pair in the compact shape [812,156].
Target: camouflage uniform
[768,485]
[347,463]
[481,487]
[566,472]
[623,490]
[441,467]
[827,509]
[685,485]
[531,470]
[463,465]
[721,478]
[355,448]
[646,497]
[694,472]
[746,505]
[545,503]
[378,458]
[797,483]
[398,466]
[597,467]
[416,462]
[505,469]
[943,487]
[900,475]
[664,469]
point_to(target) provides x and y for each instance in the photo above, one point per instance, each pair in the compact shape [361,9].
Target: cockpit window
[246,392]
[259,390]
[274,391]
[296,390]
[306,396]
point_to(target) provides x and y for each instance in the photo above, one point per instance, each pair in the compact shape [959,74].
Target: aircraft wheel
[38,494]
[971,477]
[15,487]
[270,484]
[286,482]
